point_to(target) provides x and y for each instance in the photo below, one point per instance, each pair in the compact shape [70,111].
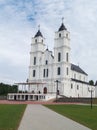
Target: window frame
[67,71]
[34,73]
[59,34]
[58,71]
[71,86]
[43,72]
[35,40]
[59,56]
[47,71]
[46,62]
[77,87]
[34,61]
[67,57]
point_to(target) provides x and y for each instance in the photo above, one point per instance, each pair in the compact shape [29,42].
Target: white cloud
[18,23]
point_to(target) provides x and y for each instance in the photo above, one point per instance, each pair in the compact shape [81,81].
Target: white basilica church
[46,68]
[50,73]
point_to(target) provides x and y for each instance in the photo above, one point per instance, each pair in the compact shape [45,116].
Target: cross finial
[39,27]
[62,19]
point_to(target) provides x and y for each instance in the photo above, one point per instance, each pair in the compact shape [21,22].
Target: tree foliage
[91,82]
[5,89]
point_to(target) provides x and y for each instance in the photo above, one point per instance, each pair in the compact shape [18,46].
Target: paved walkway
[38,117]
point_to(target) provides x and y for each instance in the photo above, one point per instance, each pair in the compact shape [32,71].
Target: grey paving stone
[38,117]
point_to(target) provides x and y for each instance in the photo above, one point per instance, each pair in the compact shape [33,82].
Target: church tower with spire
[62,56]
[37,48]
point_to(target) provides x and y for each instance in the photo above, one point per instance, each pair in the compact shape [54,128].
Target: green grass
[10,116]
[79,113]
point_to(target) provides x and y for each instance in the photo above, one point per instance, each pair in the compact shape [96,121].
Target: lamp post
[91,91]
[57,89]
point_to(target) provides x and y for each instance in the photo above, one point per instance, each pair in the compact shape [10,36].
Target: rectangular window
[34,60]
[44,73]
[59,57]
[34,72]
[58,71]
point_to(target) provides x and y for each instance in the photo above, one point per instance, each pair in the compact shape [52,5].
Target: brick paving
[33,102]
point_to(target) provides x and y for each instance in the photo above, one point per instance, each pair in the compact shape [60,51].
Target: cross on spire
[62,19]
[39,27]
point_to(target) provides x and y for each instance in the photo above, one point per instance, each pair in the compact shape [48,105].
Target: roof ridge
[77,69]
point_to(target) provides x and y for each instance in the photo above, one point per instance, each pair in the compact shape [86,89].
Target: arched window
[59,34]
[67,71]
[47,73]
[46,62]
[58,71]
[34,60]
[34,73]
[44,73]
[35,40]
[80,77]
[71,86]
[74,76]
[67,57]
[67,35]
[77,87]
[59,57]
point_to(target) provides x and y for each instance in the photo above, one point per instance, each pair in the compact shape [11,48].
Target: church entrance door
[45,90]
[14,97]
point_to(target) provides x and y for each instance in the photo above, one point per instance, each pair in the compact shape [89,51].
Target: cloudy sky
[19,20]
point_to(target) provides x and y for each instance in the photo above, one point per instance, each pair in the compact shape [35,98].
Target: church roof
[96,83]
[38,34]
[77,69]
[79,81]
[62,27]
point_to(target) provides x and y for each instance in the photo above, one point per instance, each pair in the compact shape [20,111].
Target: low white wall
[96,91]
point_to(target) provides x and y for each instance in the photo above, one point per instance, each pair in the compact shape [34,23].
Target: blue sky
[19,20]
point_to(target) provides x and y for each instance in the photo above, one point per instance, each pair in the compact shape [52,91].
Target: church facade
[53,71]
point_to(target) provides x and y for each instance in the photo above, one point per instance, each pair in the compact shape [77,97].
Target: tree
[91,82]
[5,89]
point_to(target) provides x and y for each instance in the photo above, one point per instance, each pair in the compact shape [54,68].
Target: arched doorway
[45,90]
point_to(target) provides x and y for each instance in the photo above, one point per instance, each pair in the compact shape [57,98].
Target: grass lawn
[80,113]
[10,116]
